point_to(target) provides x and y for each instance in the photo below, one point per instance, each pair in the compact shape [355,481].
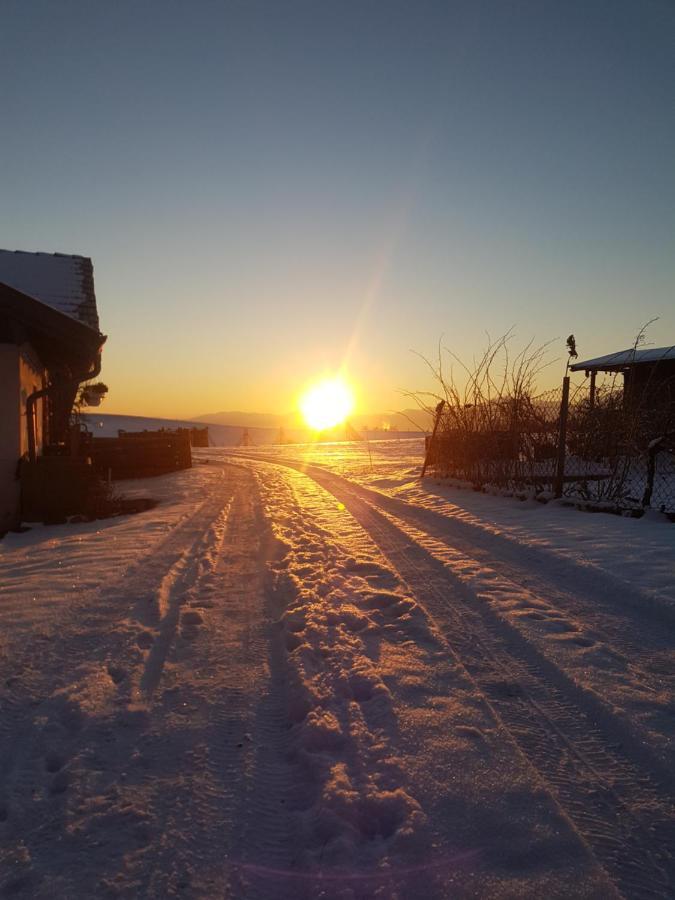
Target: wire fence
[593,448]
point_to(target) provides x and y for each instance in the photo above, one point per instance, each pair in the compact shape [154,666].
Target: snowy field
[307,674]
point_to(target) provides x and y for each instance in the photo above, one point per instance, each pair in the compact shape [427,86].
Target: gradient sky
[269,188]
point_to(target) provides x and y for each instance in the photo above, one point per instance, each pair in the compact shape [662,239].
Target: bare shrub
[494,426]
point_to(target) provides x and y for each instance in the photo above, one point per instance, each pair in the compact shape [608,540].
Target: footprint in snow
[352,619]
[383,813]
[70,716]
[557,626]
[362,688]
[117,674]
[470,731]
[59,783]
[190,622]
[373,573]
[54,761]
[403,608]
[381,599]
[582,641]
[292,642]
[363,567]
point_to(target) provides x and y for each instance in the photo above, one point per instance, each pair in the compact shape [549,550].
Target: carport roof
[623,359]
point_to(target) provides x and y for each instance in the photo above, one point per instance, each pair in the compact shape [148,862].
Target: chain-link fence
[594,448]
[509,441]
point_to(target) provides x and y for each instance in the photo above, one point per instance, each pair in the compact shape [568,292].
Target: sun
[327,403]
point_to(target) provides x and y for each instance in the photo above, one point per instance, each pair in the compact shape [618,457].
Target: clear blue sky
[267,187]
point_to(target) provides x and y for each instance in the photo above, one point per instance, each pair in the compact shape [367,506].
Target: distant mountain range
[406,420]
[263,430]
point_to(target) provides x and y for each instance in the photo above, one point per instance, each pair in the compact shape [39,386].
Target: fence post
[592,392]
[562,437]
[655,447]
[651,471]
[427,455]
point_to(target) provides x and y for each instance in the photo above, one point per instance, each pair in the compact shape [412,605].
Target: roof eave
[601,367]
[62,338]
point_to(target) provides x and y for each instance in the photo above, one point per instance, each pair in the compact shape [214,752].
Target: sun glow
[327,403]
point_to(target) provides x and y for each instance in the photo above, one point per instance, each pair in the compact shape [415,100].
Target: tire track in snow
[181,584]
[96,617]
[611,639]
[545,572]
[598,668]
[46,719]
[227,806]
[322,534]
[258,770]
[539,565]
[640,627]
[615,805]
[620,810]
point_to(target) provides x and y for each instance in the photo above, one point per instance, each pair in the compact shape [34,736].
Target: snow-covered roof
[622,358]
[64,282]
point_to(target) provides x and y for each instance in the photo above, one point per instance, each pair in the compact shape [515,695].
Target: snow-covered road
[289,681]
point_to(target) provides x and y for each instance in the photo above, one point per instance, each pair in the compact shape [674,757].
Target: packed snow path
[281,684]
[613,785]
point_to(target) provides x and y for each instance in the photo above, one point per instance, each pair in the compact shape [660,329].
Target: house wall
[31,379]
[651,385]
[10,440]
[20,374]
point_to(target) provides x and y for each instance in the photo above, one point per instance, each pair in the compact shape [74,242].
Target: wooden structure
[648,374]
[141,454]
[199,437]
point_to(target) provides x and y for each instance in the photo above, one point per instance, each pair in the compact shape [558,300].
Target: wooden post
[562,437]
[654,448]
[592,397]
[437,419]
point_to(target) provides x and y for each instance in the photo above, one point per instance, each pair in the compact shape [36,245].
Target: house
[648,374]
[50,343]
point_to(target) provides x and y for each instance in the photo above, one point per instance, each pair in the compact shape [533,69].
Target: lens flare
[327,403]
